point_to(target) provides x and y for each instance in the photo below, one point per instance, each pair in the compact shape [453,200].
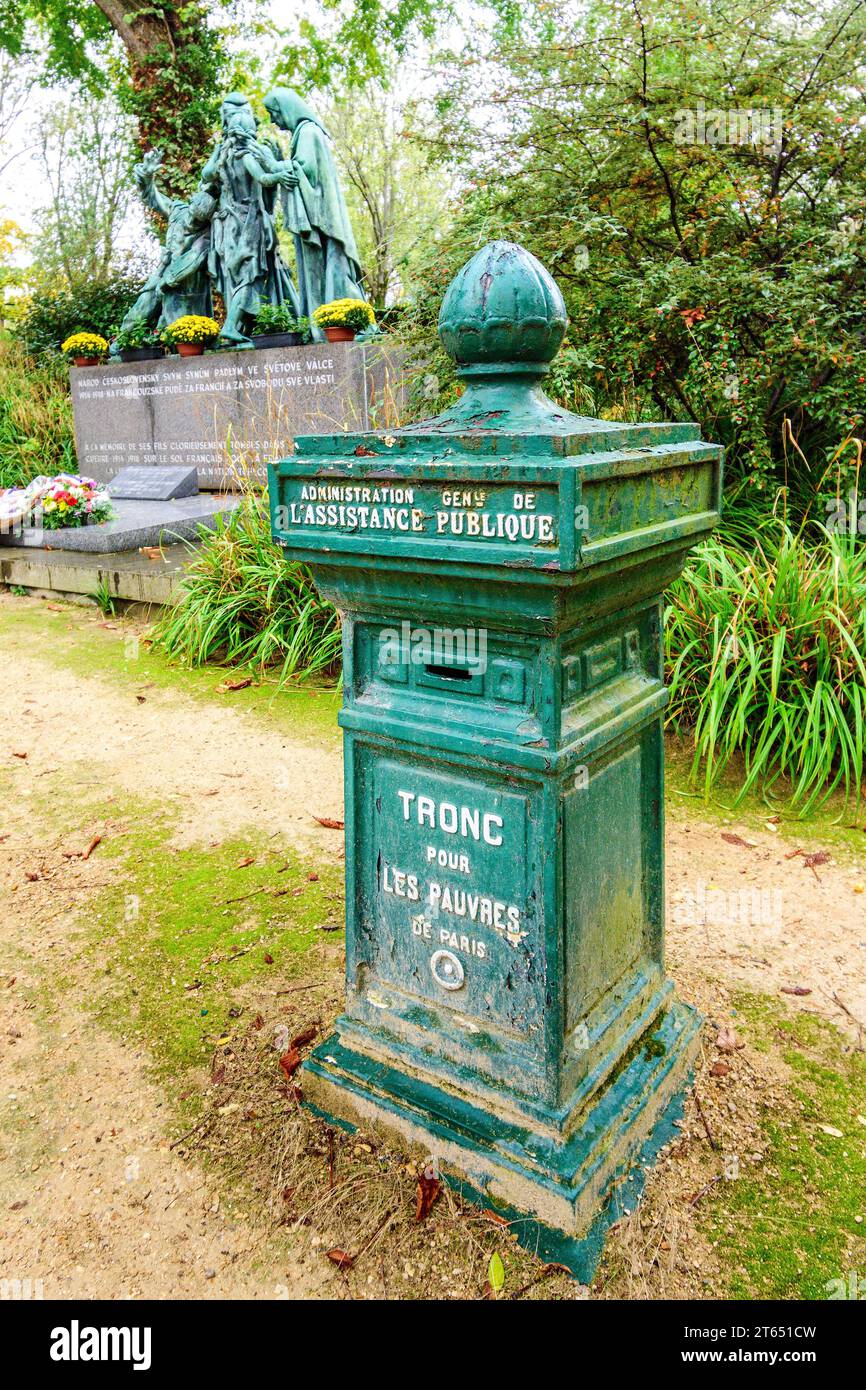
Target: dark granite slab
[154,484]
[134,524]
[229,413]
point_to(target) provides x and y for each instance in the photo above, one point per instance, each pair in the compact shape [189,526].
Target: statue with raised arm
[245,264]
[314,209]
[180,283]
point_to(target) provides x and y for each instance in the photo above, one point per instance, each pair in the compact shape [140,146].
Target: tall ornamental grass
[240,603]
[766,652]
[35,417]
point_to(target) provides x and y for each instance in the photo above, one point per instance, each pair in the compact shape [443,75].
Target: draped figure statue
[225,237]
[314,209]
[245,264]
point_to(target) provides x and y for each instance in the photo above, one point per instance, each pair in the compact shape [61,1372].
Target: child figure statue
[180,283]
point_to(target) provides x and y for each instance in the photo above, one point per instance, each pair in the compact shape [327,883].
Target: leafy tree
[170,78]
[12,241]
[16,83]
[81,151]
[397,195]
[693,175]
[176,58]
[51,311]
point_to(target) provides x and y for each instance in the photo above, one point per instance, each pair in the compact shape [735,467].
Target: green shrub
[241,603]
[51,315]
[280,318]
[766,649]
[137,334]
[35,417]
[696,189]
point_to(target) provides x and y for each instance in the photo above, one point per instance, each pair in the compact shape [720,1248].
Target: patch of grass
[75,640]
[785,1229]
[832,825]
[182,931]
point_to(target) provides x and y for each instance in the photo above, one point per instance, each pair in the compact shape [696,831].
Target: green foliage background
[723,280]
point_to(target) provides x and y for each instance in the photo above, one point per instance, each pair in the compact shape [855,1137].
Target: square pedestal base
[561,1194]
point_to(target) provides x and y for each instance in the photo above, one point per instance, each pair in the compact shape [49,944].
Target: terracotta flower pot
[339,335]
[86,361]
[190,349]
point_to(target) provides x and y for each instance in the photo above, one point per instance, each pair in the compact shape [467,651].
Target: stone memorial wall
[230,413]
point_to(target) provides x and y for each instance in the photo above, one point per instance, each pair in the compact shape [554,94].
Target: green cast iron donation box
[500,570]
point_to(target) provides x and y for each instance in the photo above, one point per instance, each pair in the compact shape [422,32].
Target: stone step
[129,575]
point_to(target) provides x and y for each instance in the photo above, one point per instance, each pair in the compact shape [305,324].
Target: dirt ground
[94,1200]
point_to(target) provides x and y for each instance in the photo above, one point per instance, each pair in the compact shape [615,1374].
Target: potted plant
[85,349]
[341,319]
[191,334]
[137,342]
[277,326]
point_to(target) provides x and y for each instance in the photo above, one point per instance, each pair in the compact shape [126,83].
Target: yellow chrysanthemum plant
[86,345]
[352,314]
[197,330]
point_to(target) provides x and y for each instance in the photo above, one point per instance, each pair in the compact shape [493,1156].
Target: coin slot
[449,673]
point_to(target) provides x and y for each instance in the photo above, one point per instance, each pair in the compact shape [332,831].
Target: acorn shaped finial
[502,307]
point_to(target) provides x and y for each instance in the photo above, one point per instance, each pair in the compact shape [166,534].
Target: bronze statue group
[224,237]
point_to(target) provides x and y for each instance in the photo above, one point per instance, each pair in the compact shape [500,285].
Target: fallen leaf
[496,1272]
[341,1259]
[240,684]
[290,1061]
[245,863]
[268,958]
[832,1131]
[727,1040]
[495,1217]
[820,856]
[429,1188]
[720,1068]
[326,821]
[97,840]
[795,989]
[23,755]
[328,926]
[312,878]
[738,840]
[142,699]
[301,1039]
